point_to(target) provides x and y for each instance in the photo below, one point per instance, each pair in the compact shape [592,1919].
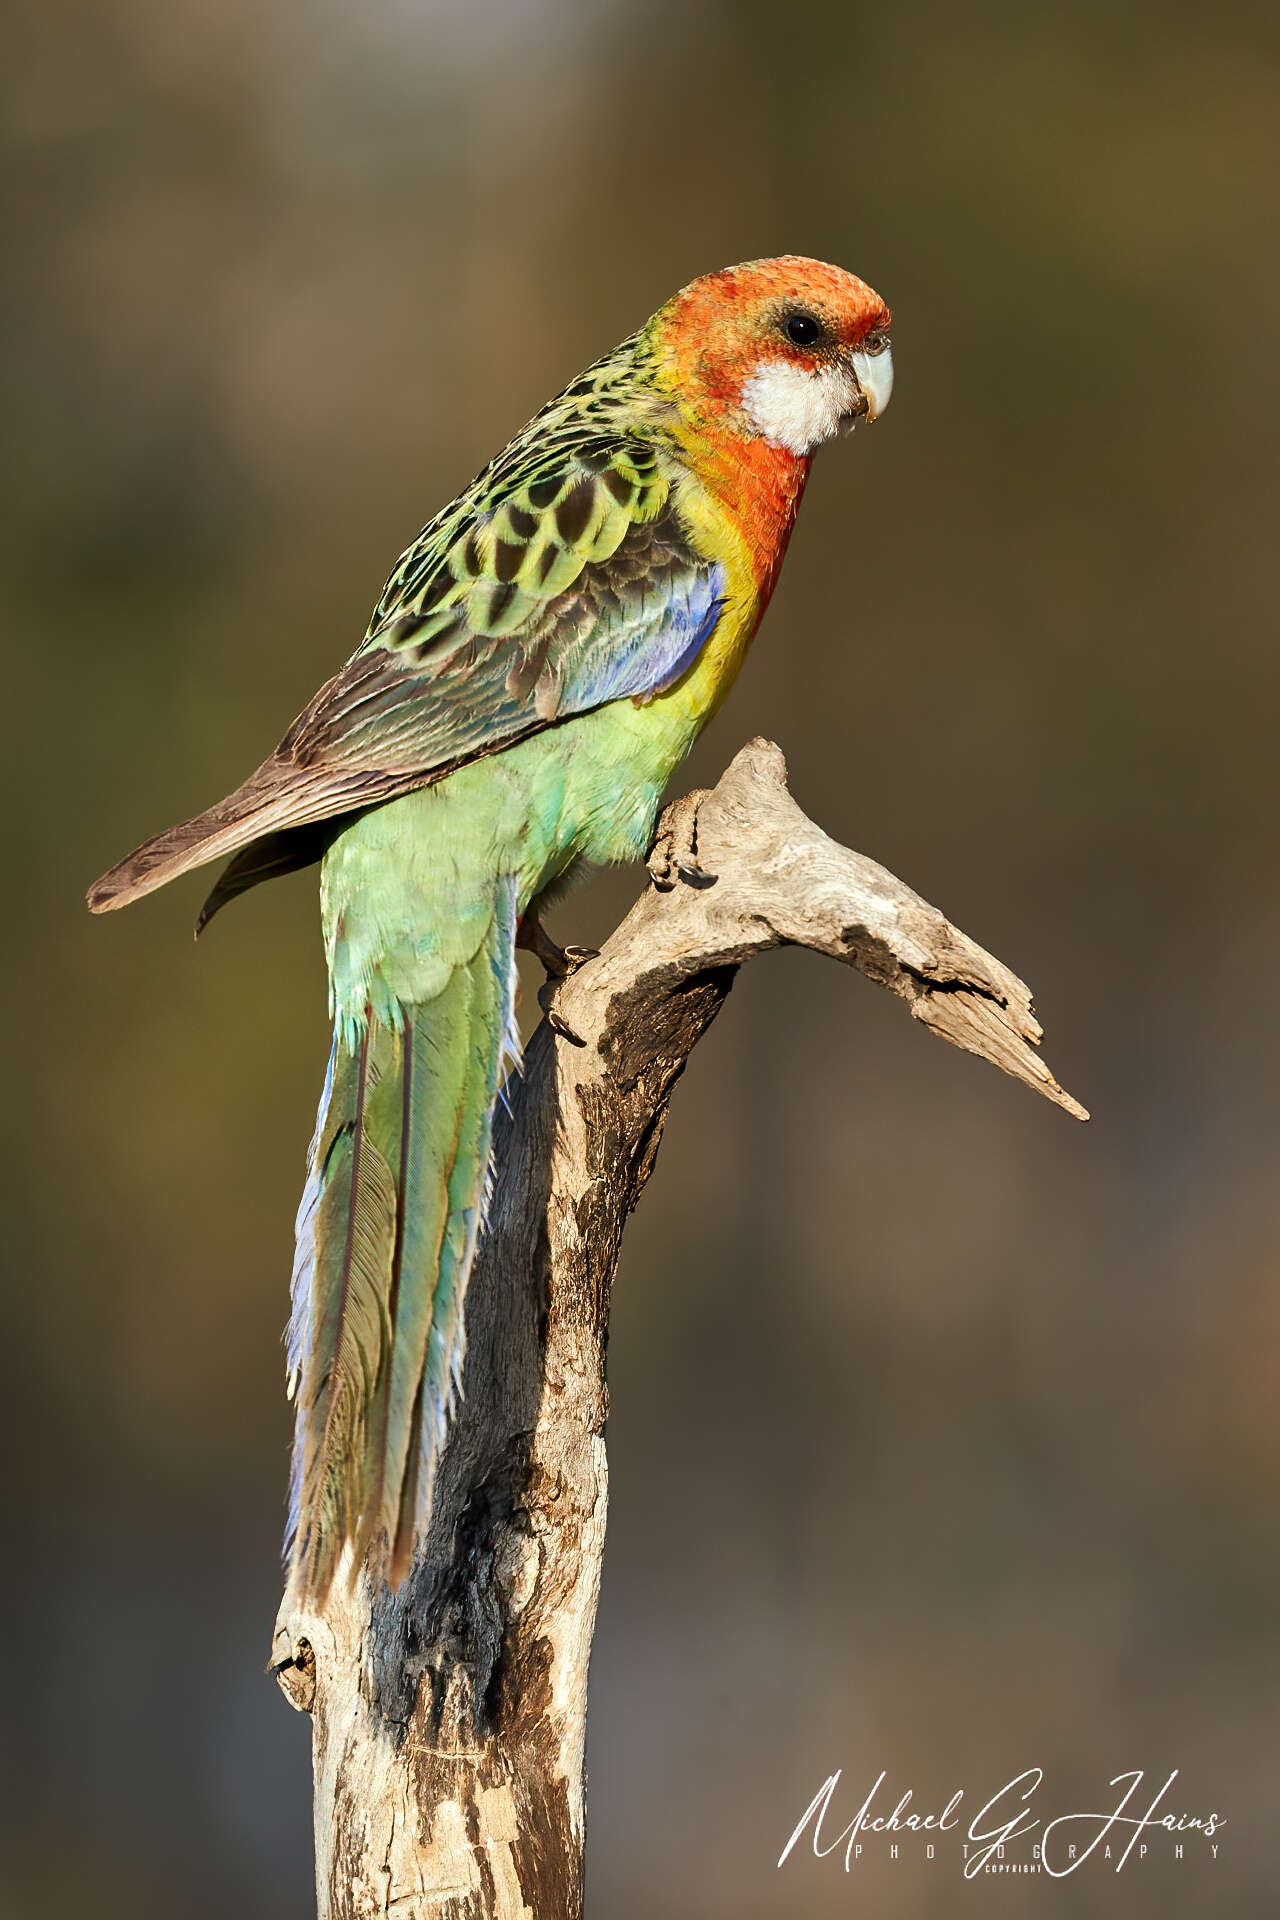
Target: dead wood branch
[449,1718]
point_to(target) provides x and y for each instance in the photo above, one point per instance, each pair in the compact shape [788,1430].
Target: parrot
[542,658]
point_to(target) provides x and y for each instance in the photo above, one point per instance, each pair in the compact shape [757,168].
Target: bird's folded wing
[563,580]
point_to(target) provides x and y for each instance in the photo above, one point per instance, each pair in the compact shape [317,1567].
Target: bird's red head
[790,351]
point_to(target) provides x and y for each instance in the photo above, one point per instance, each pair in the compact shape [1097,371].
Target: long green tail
[386,1234]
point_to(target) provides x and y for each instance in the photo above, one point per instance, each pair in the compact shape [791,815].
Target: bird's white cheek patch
[795,409]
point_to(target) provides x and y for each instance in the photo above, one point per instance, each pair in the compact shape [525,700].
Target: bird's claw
[562,1027]
[561,964]
[674,854]
[547,994]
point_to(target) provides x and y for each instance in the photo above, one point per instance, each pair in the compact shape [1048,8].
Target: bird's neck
[758,486]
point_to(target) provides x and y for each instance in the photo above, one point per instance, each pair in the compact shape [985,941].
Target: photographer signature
[1065,1842]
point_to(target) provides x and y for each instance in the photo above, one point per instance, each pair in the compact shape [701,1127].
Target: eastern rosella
[542,658]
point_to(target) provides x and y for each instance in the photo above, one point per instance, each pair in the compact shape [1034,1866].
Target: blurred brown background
[944,1434]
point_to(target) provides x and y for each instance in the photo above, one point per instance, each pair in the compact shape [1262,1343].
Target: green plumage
[562,577]
[385,1234]
[420,902]
[541,659]
[499,722]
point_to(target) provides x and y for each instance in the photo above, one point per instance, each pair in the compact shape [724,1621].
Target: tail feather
[386,1237]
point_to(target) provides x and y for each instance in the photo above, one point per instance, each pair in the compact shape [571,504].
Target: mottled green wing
[572,584]
[564,578]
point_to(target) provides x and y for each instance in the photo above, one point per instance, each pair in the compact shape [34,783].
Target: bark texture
[449,1718]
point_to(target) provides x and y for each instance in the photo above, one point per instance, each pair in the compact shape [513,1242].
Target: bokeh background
[944,1435]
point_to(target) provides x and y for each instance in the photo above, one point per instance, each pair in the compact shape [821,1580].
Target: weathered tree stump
[449,1718]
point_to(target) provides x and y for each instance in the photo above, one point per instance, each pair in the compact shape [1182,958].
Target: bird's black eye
[801,329]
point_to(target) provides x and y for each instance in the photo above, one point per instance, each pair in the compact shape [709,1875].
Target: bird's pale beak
[874,374]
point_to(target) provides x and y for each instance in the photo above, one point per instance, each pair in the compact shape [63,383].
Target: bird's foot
[674,854]
[560,962]
[550,989]
[534,938]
